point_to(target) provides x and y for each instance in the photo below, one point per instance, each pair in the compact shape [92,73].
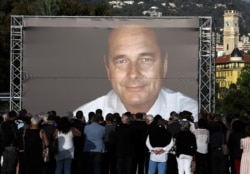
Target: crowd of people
[124,144]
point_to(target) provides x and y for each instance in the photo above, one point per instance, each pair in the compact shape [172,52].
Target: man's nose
[134,70]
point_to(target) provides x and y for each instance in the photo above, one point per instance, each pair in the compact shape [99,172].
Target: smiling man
[136,67]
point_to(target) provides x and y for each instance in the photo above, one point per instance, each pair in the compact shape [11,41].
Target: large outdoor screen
[63,58]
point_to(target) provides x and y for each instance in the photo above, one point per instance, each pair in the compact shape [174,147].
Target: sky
[247,0]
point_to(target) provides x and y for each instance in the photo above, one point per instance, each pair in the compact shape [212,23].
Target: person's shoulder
[97,127]
[95,104]
[174,125]
[167,91]
[98,101]
[187,134]
[176,94]
[182,101]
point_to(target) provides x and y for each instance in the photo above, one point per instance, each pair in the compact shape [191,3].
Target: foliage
[68,8]
[5,8]
[4,71]
[100,10]
[244,80]
[235,100]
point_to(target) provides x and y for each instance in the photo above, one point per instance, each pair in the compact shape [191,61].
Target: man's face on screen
[135,67]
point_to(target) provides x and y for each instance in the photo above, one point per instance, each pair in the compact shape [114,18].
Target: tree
[100,10]
[68,7]
[243,82]
[232,101]
[84,9]
[47,7]
[235,100]
[23,7]
[5,9]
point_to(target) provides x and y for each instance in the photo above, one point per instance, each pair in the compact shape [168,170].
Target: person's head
[238,126]
[5,117]
[34,121]
[51,118]
[211,116]
[109,118]
[149,119]
[64,124]
[126,118]
[174,116]
[185,126]
[95,118]
[44,117]
[12,115]
[22,113]
[79,115]
[90,115]
[202,123]
[186,115]
[162,123]
[203,114]
[98,112]
[116,117]
[135,66]
[139,116]
[53,112]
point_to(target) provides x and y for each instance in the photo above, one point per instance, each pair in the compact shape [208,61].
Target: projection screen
[63,62]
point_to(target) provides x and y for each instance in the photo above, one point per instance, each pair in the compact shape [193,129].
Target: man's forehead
[130,31]
[138,37]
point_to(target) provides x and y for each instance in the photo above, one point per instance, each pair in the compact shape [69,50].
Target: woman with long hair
[65,153]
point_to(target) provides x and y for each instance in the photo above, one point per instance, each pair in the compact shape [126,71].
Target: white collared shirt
[166,102]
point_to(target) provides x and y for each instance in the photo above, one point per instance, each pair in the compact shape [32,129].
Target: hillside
[214,8]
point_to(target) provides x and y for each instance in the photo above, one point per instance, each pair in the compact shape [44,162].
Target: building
[231,31]
[232,58]
[228,67]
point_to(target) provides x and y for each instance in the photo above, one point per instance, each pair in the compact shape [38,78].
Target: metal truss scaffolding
[206,77]
[207,55]
[16,62]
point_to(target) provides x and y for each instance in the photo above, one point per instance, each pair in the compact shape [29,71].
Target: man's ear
[165,65]
[105,58]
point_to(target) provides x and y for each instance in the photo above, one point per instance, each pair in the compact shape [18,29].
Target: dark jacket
[9,134]
[159,136]
[125,141]
[185,143]
[140,128]
[234,144]
[174,128]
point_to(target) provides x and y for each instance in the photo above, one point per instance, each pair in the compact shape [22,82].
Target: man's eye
[146,60]
[120,61]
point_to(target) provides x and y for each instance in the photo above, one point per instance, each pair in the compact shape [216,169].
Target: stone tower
[231,30]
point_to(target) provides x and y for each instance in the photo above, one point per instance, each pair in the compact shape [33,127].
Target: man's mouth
[135,88]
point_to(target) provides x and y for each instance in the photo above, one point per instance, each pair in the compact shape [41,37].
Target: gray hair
[35,120]
[149,118]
